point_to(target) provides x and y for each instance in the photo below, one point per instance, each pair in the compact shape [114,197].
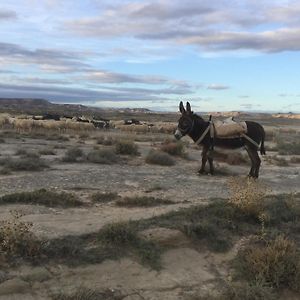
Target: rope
[249,139]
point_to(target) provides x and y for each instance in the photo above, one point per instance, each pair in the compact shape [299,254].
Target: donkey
[195,127]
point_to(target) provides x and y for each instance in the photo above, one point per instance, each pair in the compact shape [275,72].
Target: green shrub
[122,236]
[118,234]
[104,197]
[248,291]
[89,294]
[72,155]
[292,148]
[27,154]
[24,164]
[43,197]
[159,158]
[143,201]
[47,151]
[103,156]
[127,148]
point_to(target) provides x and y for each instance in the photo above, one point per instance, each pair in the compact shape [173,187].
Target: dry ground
[186,273]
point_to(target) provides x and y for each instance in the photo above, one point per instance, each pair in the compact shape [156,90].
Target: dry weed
[248,196]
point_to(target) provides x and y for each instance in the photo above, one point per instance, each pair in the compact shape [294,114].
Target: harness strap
[205,133]
[249,139]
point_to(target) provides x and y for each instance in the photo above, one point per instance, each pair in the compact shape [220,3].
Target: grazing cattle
[200,131]
[100,124]
[132,121]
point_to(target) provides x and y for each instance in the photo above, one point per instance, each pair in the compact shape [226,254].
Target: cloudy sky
[219,55]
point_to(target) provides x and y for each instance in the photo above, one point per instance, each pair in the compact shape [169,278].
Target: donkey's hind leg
[204,160]
[250,153]
[210,161]
[257,163]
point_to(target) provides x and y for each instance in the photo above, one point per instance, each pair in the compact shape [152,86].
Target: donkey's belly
[229,143]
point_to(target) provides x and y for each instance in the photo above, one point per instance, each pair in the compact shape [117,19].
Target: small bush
[89,294]
[143,201]
[103,156]
[295,160]
[277,161]
[2,141]
[118,234]
[127,148]
[104,197]
[5,171]
[159,158]
[210,232]
[121,236]
[47,151]
[292,148]
[83,136]
[173,148]
[31,154]
[24,164]
[248,291]
[72,155]
[275,262]
[16,238]
[107,141]
[43,197]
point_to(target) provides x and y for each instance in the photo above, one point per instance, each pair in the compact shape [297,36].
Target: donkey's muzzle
[178,134]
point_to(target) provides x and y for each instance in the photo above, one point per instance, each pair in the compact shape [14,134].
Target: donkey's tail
[262,145]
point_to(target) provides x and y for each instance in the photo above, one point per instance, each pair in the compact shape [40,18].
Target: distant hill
[42,106]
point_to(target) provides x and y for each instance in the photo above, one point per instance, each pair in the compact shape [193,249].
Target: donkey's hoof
[202,172]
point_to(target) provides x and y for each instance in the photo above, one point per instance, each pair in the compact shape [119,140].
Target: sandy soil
[186,271]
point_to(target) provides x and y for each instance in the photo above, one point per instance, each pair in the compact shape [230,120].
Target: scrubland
[122,214]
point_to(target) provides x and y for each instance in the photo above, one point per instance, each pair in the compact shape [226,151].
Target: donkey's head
[186,121]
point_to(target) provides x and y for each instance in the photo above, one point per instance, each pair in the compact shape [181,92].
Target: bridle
[187,131]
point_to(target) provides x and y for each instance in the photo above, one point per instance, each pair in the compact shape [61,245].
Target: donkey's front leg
[204,160]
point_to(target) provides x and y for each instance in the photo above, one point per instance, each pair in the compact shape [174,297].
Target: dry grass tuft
[16,238]
[248,196]
[103,156]
[73,155]
[127,148]
[42,197]
[104,197]
[275,262]
[159,158]
[23,164]
[173,148]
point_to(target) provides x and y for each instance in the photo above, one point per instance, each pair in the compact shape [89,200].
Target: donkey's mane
[198,118]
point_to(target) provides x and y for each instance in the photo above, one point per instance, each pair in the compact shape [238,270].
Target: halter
[184,132]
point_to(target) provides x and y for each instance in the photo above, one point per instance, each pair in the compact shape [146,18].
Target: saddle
[226,129]
[229,128]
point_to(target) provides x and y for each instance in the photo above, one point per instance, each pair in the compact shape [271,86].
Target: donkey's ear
[188,108]
[181,107]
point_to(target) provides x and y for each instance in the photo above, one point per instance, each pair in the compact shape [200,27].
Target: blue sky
[219,55]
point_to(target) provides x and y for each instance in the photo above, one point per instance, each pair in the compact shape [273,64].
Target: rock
[14,286]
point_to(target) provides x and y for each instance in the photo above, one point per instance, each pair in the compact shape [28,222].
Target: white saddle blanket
[229,128]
